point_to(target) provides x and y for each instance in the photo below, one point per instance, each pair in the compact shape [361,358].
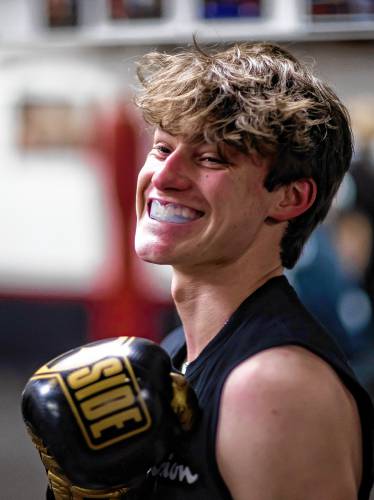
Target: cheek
[144,180]
[214,185]
[251,205]
[256,193]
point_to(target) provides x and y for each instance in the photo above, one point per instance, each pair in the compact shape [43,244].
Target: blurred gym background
[71,144]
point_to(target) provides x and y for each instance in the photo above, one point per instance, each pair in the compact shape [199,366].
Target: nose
[172,173]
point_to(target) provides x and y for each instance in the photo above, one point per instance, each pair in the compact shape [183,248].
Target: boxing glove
[101,415]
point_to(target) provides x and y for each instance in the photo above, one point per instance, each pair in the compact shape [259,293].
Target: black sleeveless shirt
[272,316]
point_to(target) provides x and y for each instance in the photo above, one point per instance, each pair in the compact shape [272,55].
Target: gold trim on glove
[62,488]
[183,403]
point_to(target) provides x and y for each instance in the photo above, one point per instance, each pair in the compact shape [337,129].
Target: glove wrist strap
[63,490]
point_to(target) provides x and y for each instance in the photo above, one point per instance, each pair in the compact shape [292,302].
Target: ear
[295,199]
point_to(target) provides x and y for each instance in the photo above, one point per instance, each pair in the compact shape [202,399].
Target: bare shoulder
[287,372]
[288,428]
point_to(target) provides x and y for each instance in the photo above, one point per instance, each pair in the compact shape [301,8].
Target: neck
[206,298]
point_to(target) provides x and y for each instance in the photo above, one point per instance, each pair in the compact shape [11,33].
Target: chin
[148,257]
[149,253]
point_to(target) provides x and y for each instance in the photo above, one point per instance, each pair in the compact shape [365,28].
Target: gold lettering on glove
[89,374]
[104,396]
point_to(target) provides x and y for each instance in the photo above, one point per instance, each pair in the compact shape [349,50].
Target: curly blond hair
[259,99]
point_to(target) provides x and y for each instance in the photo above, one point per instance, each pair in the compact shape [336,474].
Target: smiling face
[197,205]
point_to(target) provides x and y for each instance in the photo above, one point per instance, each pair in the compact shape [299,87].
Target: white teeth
[169,212]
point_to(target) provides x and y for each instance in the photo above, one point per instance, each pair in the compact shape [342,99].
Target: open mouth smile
[172,212]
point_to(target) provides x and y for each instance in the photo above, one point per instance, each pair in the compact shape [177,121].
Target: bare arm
[288,430]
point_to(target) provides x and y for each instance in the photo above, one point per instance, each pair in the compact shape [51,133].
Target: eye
[161,150]
[213,161]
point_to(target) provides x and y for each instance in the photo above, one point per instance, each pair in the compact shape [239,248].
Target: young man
[249,150]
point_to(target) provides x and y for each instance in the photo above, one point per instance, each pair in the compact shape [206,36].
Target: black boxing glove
[101,415]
